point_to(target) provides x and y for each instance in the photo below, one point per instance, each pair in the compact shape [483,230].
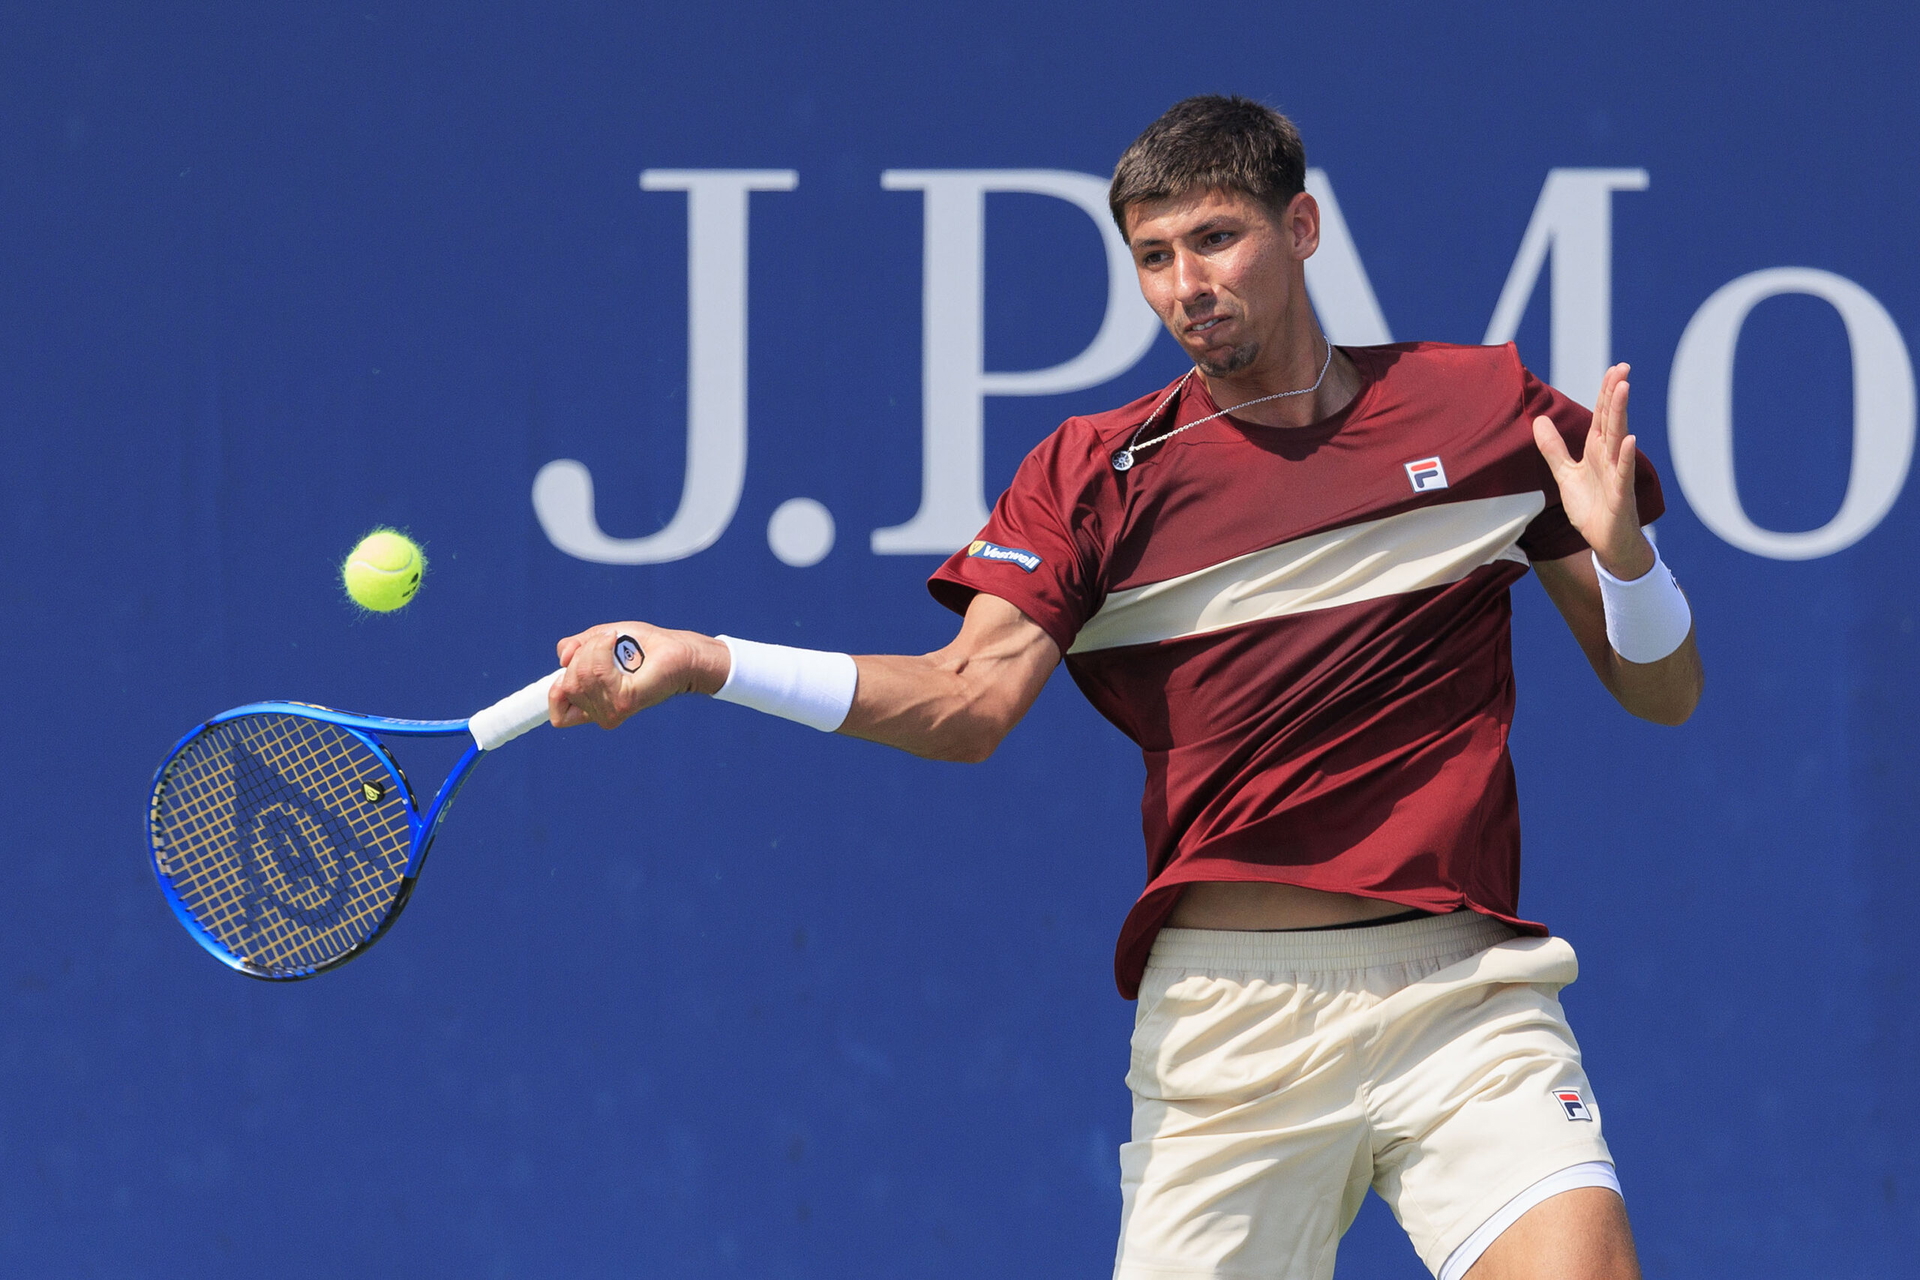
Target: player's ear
[1302,224]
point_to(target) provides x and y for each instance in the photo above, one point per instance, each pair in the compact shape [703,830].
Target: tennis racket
[286,838]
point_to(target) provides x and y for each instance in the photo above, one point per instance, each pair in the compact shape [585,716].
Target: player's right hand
[596,689]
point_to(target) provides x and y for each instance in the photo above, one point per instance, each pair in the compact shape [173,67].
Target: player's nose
[1191,282]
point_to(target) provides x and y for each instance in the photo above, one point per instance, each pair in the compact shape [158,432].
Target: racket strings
[287,839]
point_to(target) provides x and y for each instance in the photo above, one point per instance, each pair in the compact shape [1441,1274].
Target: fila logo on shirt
[1427,474]
[1574,1105]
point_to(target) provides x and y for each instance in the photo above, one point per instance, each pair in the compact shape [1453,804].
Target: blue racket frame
[424,826]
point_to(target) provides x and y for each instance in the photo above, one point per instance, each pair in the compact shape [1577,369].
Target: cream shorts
[1277,1076]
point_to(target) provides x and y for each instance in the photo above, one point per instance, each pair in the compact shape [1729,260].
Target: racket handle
[513,715]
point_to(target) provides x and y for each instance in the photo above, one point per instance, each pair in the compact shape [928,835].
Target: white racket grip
[513,715]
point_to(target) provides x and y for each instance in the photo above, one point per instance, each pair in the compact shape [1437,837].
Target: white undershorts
[1594,1173]
[1277,1076]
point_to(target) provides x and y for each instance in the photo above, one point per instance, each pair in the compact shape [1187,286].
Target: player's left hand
[1597,489]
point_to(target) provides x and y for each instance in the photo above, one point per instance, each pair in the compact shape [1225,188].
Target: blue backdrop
[721,996]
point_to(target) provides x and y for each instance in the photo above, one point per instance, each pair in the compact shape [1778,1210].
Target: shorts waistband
[1458,934]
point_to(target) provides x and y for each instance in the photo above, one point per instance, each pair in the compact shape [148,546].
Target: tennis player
[1285,576]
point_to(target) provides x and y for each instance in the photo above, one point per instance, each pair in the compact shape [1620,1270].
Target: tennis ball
[383,572]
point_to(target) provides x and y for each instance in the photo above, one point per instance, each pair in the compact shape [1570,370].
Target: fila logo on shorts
[1574,1105]
[1427,474]
[1013,555]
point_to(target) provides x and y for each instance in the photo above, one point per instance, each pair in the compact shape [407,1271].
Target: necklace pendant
[1123,460]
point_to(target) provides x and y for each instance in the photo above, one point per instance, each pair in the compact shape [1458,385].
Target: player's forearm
[948,705]
[958,702]
[1665,689]
[1665,692]
[1644,613]
[953,704]
[940,706]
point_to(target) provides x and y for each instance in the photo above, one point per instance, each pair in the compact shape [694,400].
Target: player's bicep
[1005,652]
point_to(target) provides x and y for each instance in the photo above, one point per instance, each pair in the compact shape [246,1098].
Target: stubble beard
[1238,359]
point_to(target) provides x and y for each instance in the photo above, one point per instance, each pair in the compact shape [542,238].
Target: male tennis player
[1285,576]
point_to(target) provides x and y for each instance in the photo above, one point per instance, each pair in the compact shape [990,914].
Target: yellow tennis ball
[383,572]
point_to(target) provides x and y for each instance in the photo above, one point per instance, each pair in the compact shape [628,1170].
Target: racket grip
[513,715]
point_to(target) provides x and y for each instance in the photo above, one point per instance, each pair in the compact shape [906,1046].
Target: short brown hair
[1212,141]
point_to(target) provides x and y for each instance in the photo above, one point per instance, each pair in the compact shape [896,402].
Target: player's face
[1223,270]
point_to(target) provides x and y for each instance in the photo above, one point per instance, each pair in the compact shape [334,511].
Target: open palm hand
[1596,489]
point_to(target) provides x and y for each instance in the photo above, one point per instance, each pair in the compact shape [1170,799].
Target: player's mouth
[1205,329]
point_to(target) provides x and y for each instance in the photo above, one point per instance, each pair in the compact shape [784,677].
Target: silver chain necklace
[1123,460]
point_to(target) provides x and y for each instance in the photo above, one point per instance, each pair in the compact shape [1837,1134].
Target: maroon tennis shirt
[1304,629]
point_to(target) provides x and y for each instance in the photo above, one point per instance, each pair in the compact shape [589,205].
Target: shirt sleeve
[1550,536]
[1028,553]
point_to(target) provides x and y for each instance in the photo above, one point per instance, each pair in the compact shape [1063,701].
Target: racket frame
[423,827]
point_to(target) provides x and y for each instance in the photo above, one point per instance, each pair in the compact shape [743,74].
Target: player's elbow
[970,753]
[1663,692]
[970,732]
[1671,717]
[1680,710]
[967,723]
[1671,706]
[970,743]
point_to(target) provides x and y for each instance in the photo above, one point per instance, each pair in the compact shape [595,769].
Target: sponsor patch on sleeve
[1012,555]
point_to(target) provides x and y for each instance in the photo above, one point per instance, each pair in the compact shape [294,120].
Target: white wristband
[807,685]
[1647,618]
